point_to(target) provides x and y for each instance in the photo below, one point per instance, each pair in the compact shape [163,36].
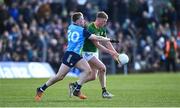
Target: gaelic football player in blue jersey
[72,57]
[91,52]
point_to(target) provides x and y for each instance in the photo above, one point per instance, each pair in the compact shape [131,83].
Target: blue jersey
[76,37]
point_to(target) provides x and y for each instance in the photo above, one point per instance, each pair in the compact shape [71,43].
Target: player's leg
[85,71]
[93,75]
[88,56]
[97,64]
[67,63]
[63,70]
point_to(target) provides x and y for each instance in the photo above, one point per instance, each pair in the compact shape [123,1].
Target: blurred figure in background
[23,20]
[170,53]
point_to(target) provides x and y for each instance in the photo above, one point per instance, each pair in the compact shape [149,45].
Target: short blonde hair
[76,16]
[101,14]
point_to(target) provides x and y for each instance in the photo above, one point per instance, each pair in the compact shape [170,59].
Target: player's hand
[115,56]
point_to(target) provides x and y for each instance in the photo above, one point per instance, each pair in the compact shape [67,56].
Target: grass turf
[137,90]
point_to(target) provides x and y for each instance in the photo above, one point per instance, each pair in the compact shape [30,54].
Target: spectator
[36,30]
[170,53]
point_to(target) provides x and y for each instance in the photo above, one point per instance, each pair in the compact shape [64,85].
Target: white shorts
[89,55]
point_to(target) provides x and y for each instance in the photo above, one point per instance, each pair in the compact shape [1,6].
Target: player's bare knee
[102,69]
[88,70]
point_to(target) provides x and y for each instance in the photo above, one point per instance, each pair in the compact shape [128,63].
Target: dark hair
[101,14]
[76,16]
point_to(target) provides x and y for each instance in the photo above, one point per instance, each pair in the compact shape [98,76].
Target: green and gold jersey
[88,44]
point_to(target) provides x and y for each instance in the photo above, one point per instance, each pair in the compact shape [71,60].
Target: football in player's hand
[123,58]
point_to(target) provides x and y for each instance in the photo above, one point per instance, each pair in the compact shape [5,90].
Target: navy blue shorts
[71,58]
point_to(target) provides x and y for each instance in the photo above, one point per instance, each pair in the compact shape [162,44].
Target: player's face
[82,21]
[102,22]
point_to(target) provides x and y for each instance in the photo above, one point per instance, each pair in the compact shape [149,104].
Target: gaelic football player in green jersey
[90,52]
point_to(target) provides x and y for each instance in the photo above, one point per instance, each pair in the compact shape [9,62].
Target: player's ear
[86,24]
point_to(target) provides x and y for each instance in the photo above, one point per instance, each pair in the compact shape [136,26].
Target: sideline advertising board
[25,70]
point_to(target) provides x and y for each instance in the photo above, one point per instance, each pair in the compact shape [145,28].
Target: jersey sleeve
[86,33]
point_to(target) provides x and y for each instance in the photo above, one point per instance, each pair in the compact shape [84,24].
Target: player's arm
[102,48]
[112,52]
[110,47]
[94,37]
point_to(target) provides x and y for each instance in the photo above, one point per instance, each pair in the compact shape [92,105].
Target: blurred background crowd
[35,30]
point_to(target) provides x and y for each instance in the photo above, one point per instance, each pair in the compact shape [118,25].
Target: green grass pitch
[137,90]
